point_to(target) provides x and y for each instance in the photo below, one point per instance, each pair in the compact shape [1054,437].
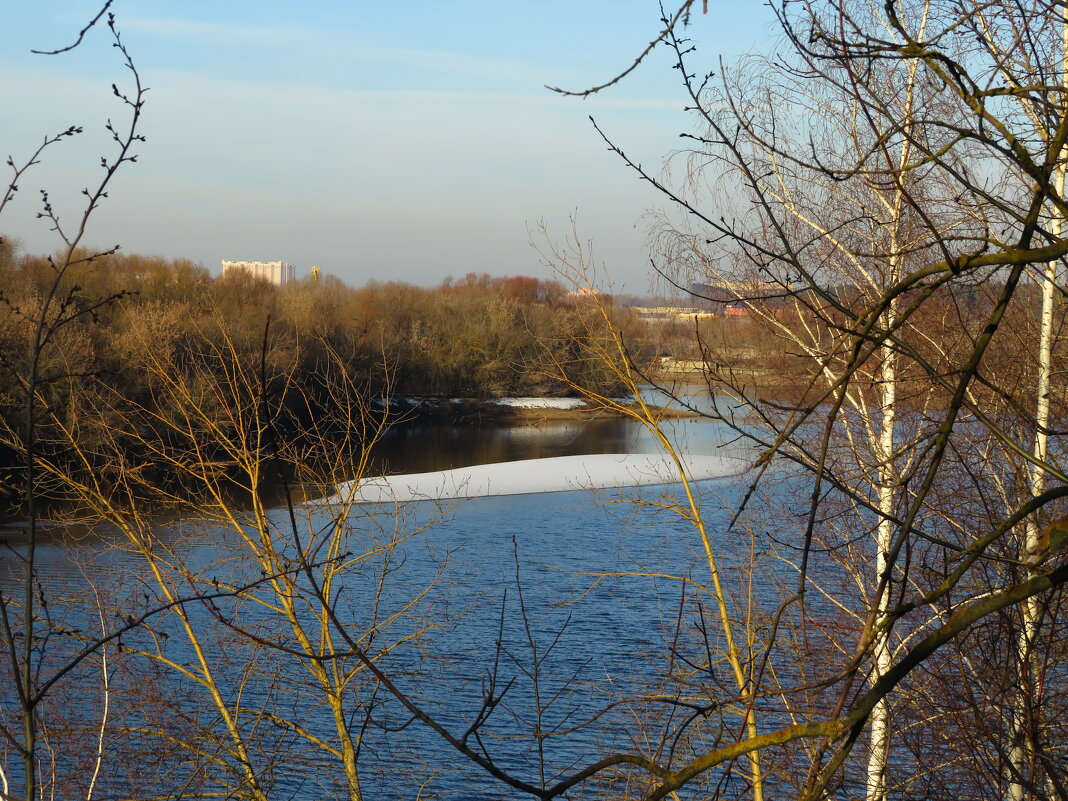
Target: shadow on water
[434,446]
[585,559]
[426,448]
[422,448]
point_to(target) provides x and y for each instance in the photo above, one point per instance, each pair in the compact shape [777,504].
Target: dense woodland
[476,337]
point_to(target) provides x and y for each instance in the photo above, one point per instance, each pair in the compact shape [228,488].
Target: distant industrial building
[277,272]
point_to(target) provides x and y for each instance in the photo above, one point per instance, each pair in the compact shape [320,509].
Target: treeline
[128,321]
[777,348]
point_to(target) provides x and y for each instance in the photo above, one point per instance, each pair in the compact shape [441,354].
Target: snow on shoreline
[565,404]
[555,474]
[561,404]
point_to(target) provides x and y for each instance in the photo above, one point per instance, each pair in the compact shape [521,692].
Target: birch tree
[881,198]
[1023,762]
[863,236]
[865,239]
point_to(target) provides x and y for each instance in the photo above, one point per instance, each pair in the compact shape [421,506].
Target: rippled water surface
[567,599]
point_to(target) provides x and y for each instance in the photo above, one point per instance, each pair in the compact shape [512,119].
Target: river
[573,601]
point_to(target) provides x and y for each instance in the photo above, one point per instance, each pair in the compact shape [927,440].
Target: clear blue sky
[390,141]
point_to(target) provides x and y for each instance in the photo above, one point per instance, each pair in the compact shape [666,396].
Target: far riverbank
[531,411]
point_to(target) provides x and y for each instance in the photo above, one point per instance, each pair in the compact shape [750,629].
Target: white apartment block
[277,272]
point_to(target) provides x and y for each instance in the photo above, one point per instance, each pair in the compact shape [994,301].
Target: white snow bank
[541,403]
[514,403]
[564,404]
[556,474]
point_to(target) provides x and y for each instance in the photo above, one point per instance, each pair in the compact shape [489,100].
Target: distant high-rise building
[277,272]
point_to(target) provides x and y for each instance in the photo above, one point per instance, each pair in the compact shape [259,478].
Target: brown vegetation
[898,626]
[478,337]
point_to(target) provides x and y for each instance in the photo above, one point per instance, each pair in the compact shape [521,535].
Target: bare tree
[889,190]
[46,322]
[891,196]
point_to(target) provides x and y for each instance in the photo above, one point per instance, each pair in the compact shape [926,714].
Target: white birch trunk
[1021,755]
[879,748]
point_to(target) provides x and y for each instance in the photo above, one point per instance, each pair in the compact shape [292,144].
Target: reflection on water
[423,448]
[427,448]
[579,562]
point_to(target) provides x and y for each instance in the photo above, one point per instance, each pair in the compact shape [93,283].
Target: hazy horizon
[393,146]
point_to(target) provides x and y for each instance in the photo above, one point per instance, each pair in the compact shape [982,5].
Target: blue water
[575,592]
[607,633]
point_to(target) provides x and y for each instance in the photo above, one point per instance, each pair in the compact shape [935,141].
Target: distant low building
[723,295]
[277,272]
[671,313]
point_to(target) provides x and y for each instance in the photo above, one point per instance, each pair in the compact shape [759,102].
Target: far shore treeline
[475,337]
[321,359]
